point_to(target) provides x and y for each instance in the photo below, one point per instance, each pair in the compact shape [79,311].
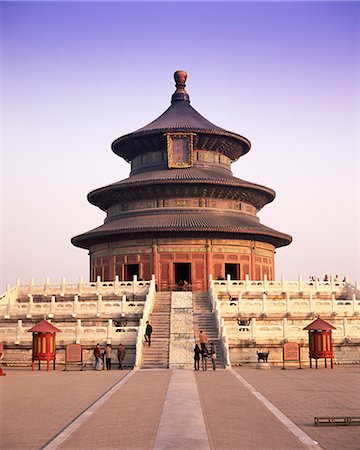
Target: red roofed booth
[44,343]
[320,341]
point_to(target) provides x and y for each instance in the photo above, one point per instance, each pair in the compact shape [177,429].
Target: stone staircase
[157,355]
[204,319]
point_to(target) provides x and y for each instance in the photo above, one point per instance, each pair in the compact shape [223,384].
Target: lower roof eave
[90,239]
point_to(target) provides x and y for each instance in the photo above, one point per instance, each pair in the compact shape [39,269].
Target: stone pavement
[147,409]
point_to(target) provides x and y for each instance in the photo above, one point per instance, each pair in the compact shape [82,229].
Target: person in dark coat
[108,356]
[148,332]
[203,339]
[98,357]
[213,355]
[197,352]
[121,355]
[204,357]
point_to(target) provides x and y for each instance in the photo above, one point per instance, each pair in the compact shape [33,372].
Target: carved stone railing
[246,297]
[75,300]
[283,329]
[75,332]
[81,288]
[149,304]
[220,323]
[265,285]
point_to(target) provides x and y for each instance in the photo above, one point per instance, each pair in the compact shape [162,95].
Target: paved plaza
[241,408]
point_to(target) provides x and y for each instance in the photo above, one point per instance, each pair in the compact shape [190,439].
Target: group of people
[103,358]
[205,353]
[327,278]
[184,285]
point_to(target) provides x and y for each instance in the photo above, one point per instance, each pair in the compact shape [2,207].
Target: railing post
[288,302]
[46,285]
[333,302]
[247,282]
[78,331]
[239,303]
[265,284]
[134,284]
[109,329]
[300,282]
[284,327]
[75,305]
[228,281]
[316,283]
[31,304]
[31,286]
[123,304]
[283,283]
[357,284]
[252,327]
[63,287]
[99,305]
[310,302]
[116,284]
[80,285]
[98,284]
[52,305]
[263,303]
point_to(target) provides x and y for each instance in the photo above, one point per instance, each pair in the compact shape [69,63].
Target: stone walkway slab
[182,423]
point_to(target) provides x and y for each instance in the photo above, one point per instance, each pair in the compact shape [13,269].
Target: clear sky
[75,76]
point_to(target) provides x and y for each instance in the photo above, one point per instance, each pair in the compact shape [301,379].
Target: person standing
[148,332]
[204,357]
[213,355]
[121,356]
[108,355]
[203,339]
[98,357]
[197,352]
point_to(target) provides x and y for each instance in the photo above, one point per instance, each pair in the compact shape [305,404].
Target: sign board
[73,355]
[291,352]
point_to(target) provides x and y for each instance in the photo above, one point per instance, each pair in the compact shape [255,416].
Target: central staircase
[157,355]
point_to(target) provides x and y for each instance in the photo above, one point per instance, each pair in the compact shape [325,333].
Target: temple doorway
[233,270]
[130,270]
[182,272]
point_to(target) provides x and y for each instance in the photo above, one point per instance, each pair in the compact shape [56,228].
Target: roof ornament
[180,94]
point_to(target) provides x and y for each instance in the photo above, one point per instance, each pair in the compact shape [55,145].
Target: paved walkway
[163,409]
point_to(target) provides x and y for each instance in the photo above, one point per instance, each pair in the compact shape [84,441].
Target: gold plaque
[179,150]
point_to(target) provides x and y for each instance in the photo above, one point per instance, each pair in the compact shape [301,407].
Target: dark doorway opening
[130,270]
[182,272]
[233,270]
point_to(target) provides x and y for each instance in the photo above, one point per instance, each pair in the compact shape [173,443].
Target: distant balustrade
[74,299]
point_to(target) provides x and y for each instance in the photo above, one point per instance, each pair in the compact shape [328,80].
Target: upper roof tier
[181,117]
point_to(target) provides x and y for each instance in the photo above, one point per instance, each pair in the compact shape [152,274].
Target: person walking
[148,332]
[203,339]
[213,355]
[197,352]
[204,357]
[98,357]
[108,355]
[121,355]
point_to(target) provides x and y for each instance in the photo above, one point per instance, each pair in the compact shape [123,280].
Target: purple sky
[75,76]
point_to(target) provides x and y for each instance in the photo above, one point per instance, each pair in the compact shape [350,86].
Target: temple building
[181,214]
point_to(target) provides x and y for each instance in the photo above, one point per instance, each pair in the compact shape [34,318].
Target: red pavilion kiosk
[320,341]
[44,343]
